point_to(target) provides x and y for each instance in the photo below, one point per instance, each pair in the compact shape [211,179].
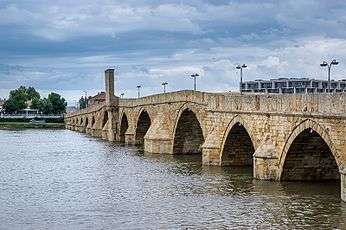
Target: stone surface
[343,184]
[285,137]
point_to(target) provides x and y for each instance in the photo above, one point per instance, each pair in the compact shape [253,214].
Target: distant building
[97,99]
[293,85]
[71,109]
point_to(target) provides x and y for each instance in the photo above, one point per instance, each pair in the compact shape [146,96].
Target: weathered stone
[266,161]
[291,137]
[343,183]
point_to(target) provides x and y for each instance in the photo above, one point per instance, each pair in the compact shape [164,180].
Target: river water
[59,179]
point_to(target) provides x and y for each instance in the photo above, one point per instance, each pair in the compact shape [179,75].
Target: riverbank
[28,125]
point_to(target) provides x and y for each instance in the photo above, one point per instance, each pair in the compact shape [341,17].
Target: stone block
[343,184]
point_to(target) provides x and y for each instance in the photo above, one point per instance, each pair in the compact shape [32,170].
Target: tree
[17,100]
[46,106]
[58,103]
[36,103]
[82,103]
[32,93]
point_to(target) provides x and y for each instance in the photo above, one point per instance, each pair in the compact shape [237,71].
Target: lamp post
[194,76]
[241,67]
[164,86]
[139,91]
[122,95]
[325,64]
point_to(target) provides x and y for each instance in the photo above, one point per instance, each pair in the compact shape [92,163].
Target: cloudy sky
[65,46]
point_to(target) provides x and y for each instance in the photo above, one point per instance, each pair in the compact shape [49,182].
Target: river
[59,179]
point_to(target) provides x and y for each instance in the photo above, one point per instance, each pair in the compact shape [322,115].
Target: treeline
[22,98]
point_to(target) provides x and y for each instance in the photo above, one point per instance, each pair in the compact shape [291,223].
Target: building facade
[293,85]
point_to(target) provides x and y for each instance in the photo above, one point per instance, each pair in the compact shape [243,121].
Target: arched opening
[92,121]
[86,121]
[81,121]
[188,138]
[309,158]
[238,148]
[105,119]
[143,125]
[123,127]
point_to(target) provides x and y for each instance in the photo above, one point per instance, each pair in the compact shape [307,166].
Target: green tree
[82,103]
[46,106]
[32,93]
[36,103]
[17,100]
[58,103]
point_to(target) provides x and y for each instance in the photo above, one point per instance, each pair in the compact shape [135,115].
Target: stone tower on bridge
[283,137]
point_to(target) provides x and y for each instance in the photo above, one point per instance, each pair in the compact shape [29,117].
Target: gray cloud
[66,45]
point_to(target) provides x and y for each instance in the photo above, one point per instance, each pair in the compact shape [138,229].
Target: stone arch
[306,149]
[86,121]
[104,119]
[142,126]
[124,124]
[237,144]
[188,136]
[92,121]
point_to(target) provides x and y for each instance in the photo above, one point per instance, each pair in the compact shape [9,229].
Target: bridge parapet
[87,110]
[309,104]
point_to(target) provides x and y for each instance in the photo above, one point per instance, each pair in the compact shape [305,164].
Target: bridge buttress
[158,138]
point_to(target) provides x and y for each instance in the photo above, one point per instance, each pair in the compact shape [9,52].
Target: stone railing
[319,104]
[330,104]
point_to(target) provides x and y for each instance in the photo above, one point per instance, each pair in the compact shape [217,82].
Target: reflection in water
[62,179]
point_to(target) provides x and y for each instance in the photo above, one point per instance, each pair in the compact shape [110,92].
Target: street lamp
[194,76]
[325,64]
[139,91]
[122,95]
[164,86]
[241,67]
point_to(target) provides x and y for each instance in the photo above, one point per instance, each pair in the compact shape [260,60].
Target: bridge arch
[86,121]
[142,126]
[104,119]
[92,121]
[124,125]
[309,155]
[188,136]
[237,145]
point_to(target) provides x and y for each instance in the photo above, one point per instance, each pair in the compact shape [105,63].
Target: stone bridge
[298,137]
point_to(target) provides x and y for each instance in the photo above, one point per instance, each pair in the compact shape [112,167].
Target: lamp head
[324,63]
[334,62]
[243,66]
[238,67]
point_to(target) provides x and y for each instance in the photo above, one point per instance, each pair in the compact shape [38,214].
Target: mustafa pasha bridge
[284,137]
